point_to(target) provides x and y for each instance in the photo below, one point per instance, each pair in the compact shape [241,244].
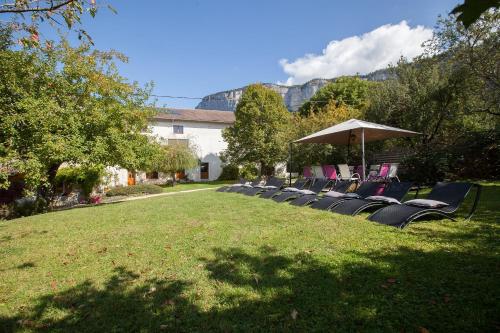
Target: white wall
[207,137]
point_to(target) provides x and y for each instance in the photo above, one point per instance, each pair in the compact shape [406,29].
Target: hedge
[135,189]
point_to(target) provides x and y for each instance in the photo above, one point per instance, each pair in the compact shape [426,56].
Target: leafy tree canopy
[312,154]
[470,11]
[174,157]
[27,16]
[259,134]
[350,91]
[69,105]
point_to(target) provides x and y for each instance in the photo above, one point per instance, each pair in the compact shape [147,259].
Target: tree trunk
[46,192]
[266,170]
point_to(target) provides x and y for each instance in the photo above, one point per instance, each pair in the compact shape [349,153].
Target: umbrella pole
[363,151]
[348,147]
[290,171]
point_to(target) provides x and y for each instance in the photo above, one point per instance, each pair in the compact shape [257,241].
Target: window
[184,142]
[178,129]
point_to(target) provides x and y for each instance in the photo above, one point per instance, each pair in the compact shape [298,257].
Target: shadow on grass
[399,290]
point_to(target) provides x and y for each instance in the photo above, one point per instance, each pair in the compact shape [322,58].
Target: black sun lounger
[393,193]
[318,185]
[298,185]
[227,187]
[444,200]
[331,199]
[340,187]
[244,186]
[272,184]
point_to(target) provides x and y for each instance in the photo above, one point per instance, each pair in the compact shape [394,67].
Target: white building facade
[201,129]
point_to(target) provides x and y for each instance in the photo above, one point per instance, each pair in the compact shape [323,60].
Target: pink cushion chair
[330,172]
[308,172]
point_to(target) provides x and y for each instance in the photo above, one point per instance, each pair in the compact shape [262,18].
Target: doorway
[131,178]
[204,171]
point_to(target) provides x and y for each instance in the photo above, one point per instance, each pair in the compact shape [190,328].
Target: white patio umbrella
[356,131]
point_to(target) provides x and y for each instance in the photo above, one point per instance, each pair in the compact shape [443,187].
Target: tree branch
[37,9]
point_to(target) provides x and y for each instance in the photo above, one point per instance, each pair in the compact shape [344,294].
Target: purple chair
[330,172]
[383,173]
[308,172]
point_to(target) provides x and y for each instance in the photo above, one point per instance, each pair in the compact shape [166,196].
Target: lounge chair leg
[476,201]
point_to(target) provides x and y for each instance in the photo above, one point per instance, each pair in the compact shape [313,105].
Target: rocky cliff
[293,96]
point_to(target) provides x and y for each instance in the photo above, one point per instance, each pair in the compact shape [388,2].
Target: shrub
[28,206]
[249,171]
[85,178]
[229,172]
[426,166]
[135,189]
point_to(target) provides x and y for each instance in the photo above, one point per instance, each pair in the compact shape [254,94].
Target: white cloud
[359,54]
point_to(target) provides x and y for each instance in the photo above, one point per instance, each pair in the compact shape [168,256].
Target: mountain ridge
[294,96]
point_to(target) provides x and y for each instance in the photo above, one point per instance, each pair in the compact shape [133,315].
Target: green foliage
[229,172]
[135,189]
[425,167]
[349,91]
[470,11]
[85,178]
[259,134]
[69,105]
[28,206]
[174,157]
[26,17]
[312,154]
[249,171]
[451,96]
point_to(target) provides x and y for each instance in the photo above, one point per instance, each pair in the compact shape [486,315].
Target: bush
[28,206]
[135,189]
[249,171]
[85,178]
[229,172]
[425,167]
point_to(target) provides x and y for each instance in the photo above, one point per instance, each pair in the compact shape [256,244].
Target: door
[204,171]
[180,175]
[131,178]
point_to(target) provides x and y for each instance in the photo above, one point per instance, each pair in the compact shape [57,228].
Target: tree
[52,11]
[312,154]
[475,51]
[174,157]
[69,105]
[259,134]
[470,11]
[349,91]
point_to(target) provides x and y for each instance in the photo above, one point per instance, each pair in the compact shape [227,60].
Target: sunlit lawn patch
[208,261]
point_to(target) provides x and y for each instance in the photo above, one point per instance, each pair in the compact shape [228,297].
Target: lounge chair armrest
[356,175]
[476,201]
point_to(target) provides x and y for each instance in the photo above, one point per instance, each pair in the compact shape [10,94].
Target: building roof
[198,115]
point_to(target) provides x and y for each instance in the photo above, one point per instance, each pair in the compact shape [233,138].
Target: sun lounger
[316,187]
[383,173]
[345,173]
[298,185]
[340,187]
[272,184]
[332,198]
[244,186]
[318,171]
[227,187]
[444,200]
[393,194]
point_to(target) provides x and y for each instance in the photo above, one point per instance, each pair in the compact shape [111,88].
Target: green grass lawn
[209,261]
[195,186]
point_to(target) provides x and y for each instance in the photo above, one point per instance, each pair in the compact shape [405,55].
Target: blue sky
[196,47]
